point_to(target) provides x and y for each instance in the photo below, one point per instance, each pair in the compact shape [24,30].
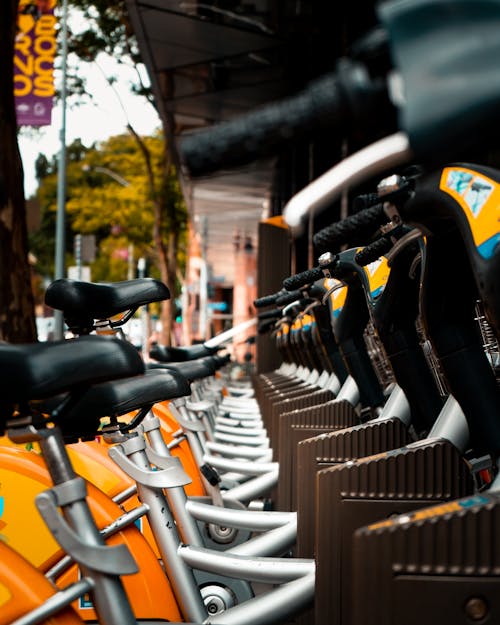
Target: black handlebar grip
[274,313]
[347,96]
[301,279]
[267,300]
[289,297]
[365,200]
[374,251]
[263,131]
[361,224]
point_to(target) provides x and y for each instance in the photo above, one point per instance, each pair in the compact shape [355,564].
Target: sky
[90,122]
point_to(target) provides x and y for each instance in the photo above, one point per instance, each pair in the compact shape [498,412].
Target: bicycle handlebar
[274,313]
[330,101]
[365,200]
[360,224]
[461,112]
[289,297]
[373,252]
[267,300]
[301,279]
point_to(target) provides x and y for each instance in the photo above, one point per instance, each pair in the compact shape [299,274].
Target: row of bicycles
[384,415]
[133,495]
[356,484]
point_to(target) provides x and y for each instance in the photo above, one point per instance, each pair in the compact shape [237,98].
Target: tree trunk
[17,317]
[171,158]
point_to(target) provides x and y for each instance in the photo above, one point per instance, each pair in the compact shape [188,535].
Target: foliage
[119,214]
[107,31]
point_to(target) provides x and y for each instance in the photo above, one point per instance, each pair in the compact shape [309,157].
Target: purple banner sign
[34,54]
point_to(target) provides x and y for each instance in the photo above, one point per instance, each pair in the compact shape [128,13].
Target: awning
[208,64]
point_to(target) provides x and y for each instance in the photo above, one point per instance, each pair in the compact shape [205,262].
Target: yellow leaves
[109,194]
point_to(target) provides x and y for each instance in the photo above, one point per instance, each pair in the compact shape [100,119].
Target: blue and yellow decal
[479,197]
[377,274]
[433,512]
[337,298]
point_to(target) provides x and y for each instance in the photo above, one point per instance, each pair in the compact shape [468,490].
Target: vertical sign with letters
[34,53]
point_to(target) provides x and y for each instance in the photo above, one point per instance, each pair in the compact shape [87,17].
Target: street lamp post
[60,244]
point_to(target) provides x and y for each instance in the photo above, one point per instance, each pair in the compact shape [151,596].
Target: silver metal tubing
[59,567]
[244,468]
[396,406]
[240,519]
[239,395]
[108,595]
[333,384]
[126,519]
[264,570]
[246,405]
[56,602]
[249,397]
[243,393]
[451,425]
[239,431]
[257,423]
[236,420]
[241,399]
[323,379]
[122,521]
[272,607]
[272,543]
[242,440]
[232,479]
[239,452]
[238,406]
[223,337]
[256,505]
[314,377]
[176,497]
[256,487]
[241,417]
[199,405]
[196,447]
[370,161]
[166,537]
[186,526]
[300,373]
[208,434]
[291,369]
[349,391]
[125,494]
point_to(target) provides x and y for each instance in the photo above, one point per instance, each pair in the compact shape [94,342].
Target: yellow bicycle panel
[377,274]
[337,298]
[479,197]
